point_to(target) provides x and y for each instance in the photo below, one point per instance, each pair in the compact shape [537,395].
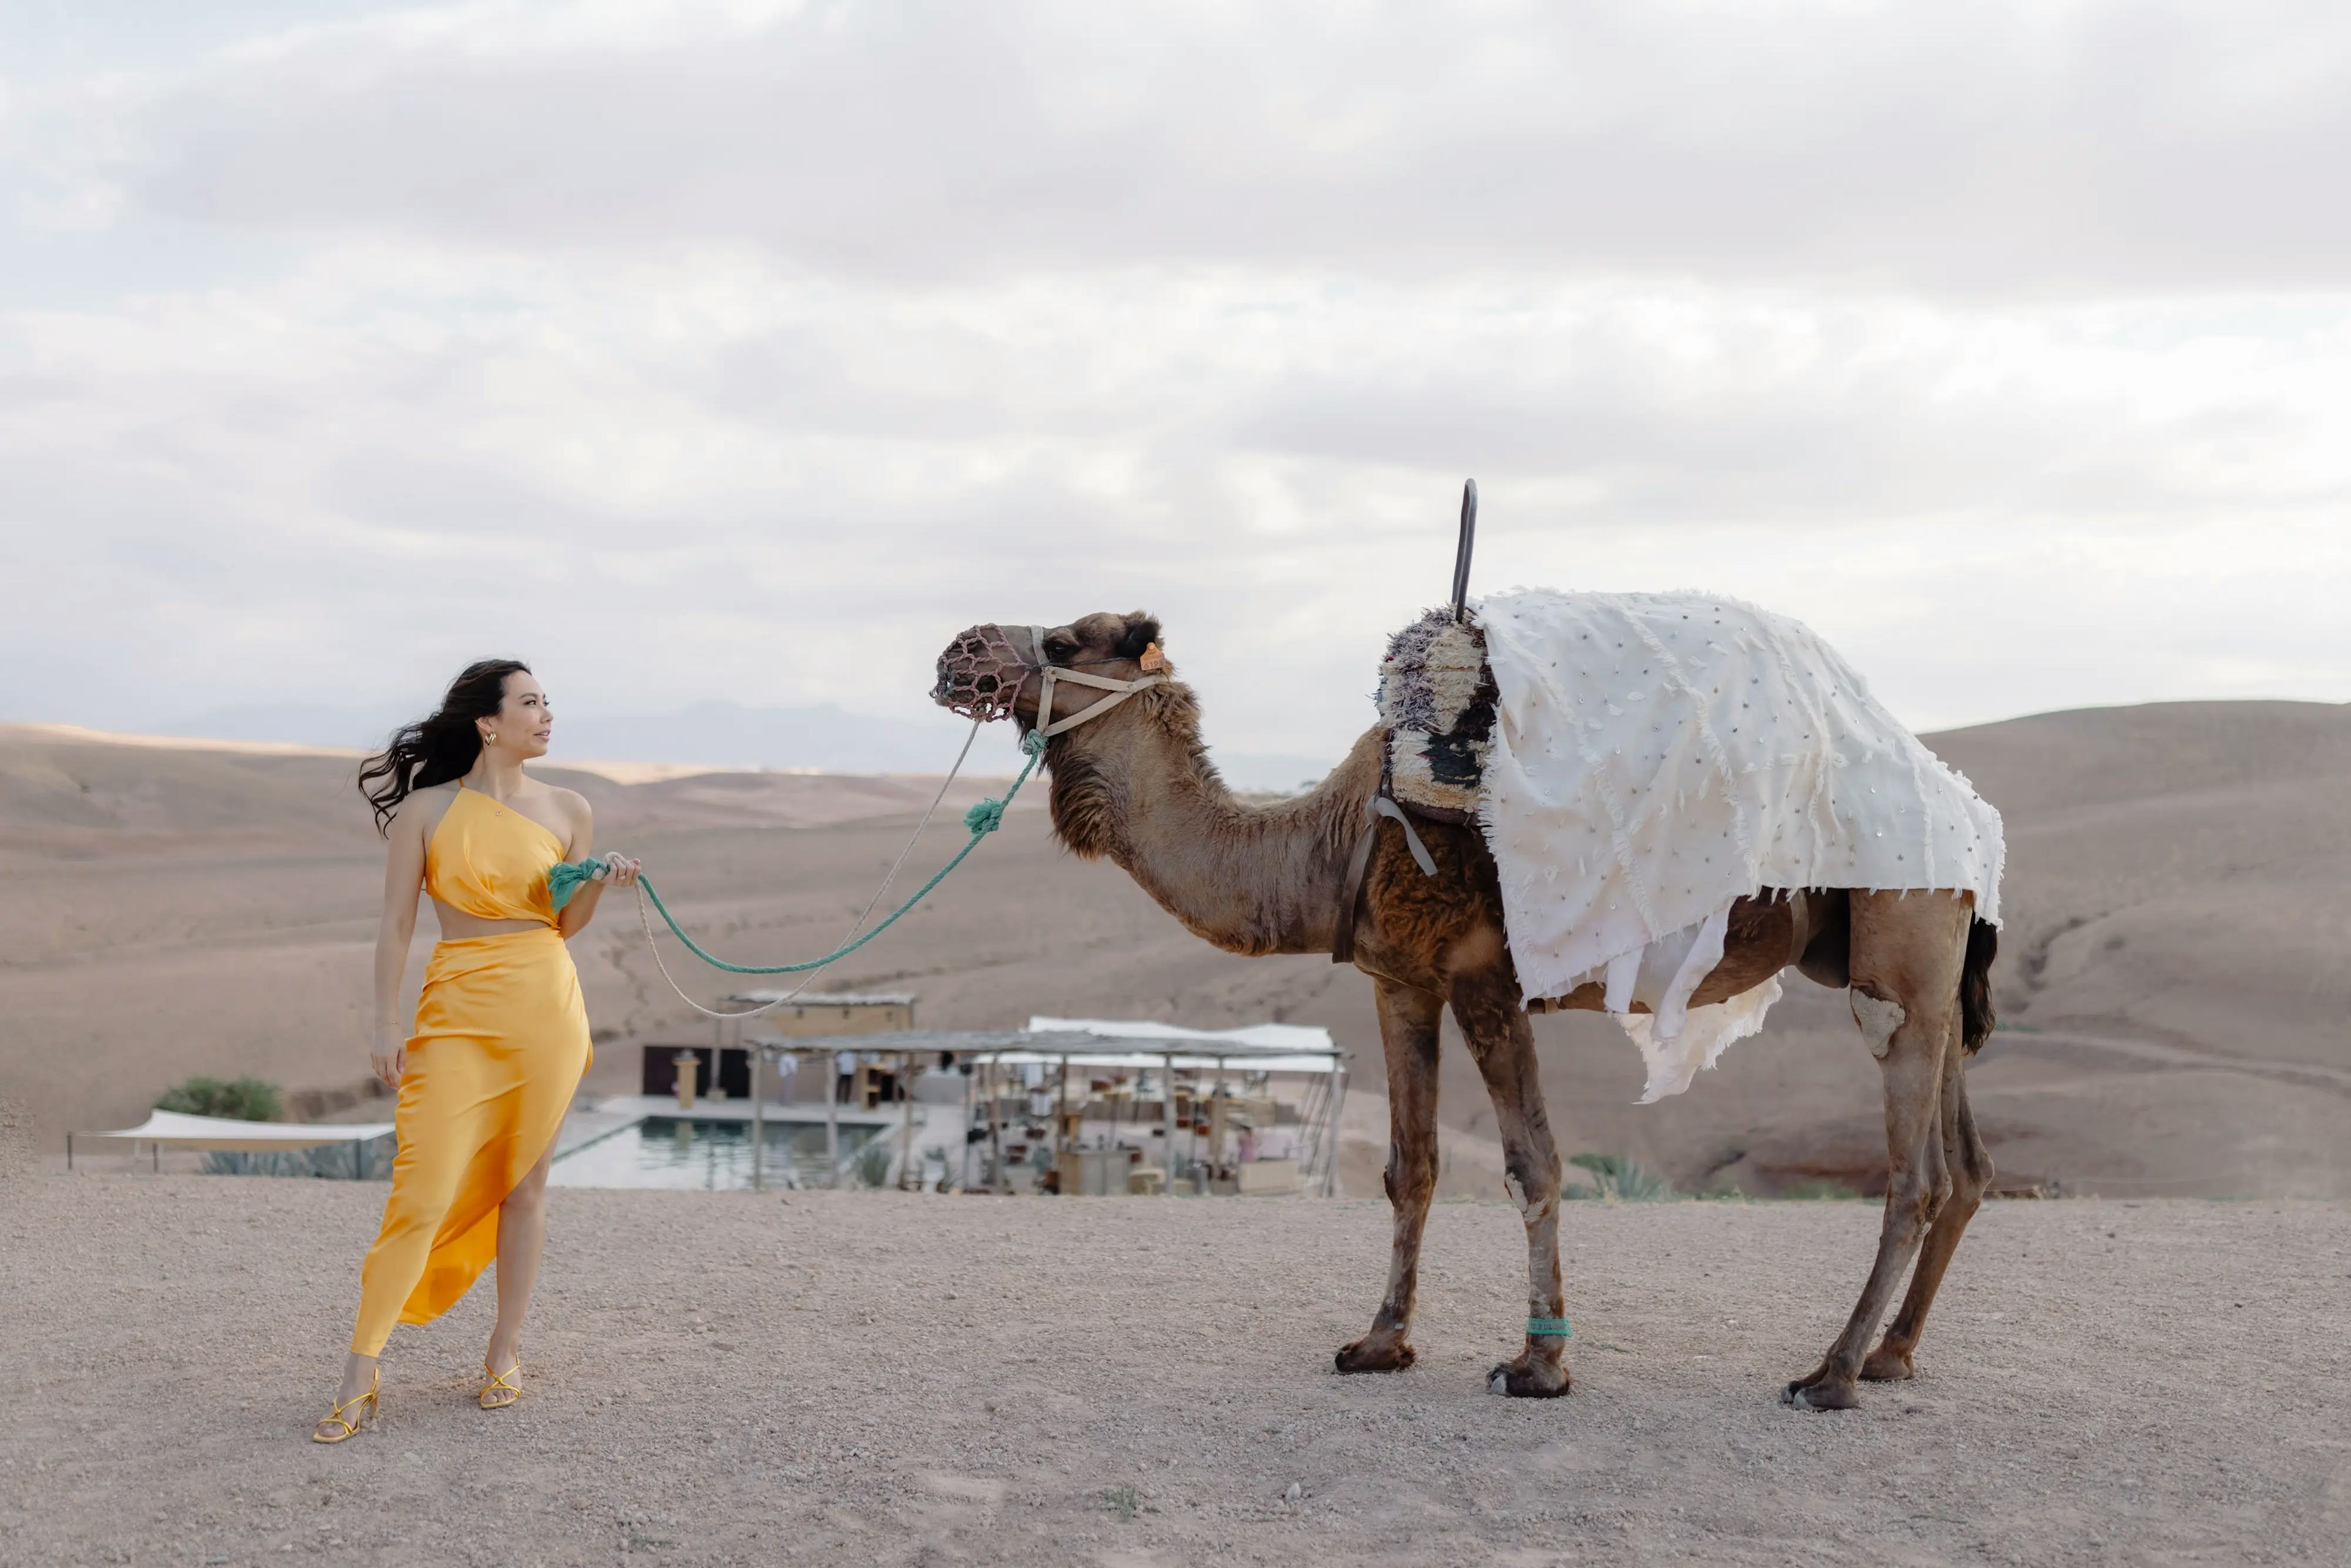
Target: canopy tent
[1265,1036]
[1126,1043]
[225,1134]
[1259,1048]
[1064,1043]
[1115,1045]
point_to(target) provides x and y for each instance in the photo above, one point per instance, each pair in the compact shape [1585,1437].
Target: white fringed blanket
[1658,756]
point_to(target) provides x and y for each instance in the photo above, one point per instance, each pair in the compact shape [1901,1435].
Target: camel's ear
[1142,632]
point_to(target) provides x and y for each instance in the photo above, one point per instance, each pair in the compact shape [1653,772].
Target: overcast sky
[747,351]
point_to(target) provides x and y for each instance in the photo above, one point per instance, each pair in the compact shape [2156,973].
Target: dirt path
[852,1378]
[2036,1041]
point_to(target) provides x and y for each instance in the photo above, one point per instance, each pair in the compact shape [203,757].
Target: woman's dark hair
[444,746]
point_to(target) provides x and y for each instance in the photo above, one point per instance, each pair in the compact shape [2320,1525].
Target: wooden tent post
[1338,1104]
[832,1119]
[906,1129]
[758,1123]
[1167,1119]
[1216,1124]
[1192,1132]
[963,1181]
[1062,1125]
[1003,1183]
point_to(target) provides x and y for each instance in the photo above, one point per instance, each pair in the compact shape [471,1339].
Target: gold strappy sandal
[364,1403]
[498,1384]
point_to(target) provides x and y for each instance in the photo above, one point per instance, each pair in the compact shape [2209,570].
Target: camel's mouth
[981,674]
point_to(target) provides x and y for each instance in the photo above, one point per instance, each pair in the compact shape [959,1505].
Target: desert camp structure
[1077,1106]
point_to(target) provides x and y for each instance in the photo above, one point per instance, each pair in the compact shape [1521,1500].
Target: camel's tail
[1976,1015]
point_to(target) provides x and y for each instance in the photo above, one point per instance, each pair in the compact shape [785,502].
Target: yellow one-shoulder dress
[501,1041]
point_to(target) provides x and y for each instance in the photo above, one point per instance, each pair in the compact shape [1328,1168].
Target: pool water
[679,1152]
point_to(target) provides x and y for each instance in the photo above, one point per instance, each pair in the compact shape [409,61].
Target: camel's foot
[1887,1364]
[1821,1391]
[1528,1376]
[1375,1352]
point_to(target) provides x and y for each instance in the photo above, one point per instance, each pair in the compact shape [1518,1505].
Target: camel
[1132,783]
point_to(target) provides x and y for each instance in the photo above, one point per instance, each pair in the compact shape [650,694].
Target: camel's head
[991,671]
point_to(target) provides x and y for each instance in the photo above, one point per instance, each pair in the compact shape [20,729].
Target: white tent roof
[226,1133]
[1241,1059]
[1259,1048]
[1264,1036]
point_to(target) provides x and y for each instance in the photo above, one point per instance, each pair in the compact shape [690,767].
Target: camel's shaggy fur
[1135,787]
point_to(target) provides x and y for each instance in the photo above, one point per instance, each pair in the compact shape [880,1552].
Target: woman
[501,1036]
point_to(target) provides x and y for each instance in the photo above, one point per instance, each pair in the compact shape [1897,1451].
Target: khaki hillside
[2172,982]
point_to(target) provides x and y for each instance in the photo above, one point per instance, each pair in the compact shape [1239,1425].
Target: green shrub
[1617,1178]
[239,1099]
[1818,1192]
[873,1163]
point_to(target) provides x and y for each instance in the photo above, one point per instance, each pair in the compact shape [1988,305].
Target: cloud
[281,483]
[2024,148]
[744,354]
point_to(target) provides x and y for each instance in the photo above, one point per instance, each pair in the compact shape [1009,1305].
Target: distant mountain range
[821,738]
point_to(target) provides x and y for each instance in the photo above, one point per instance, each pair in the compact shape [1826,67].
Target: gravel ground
[871,1378]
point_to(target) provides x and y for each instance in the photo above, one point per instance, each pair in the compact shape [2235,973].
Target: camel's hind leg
[1971,1167]
[1408,1025]
[1908,952]
[1494,1024]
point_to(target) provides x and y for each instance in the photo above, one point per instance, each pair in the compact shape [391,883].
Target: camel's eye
[1061,650]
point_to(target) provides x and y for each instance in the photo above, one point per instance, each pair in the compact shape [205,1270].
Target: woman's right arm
[403,884]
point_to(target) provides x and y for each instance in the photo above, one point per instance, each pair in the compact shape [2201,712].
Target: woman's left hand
[619,871]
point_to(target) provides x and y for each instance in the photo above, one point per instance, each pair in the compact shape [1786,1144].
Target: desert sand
[2174,980]
[724,1378]
[924,1379]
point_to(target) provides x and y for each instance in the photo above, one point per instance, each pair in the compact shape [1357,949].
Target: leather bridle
[1053,673]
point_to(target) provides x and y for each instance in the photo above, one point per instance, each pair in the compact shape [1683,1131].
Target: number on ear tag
[1153,661]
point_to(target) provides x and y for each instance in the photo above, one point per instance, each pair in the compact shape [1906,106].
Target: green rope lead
[566,877]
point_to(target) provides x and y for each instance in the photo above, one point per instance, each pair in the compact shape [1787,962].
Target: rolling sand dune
[2175,976]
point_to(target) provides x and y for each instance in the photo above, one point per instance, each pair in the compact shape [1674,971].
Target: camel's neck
[1138,788]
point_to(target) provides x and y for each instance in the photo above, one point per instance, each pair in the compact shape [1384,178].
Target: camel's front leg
[1409,1022]
[1495,1026]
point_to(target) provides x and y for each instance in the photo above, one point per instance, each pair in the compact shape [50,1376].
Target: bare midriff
[458,926]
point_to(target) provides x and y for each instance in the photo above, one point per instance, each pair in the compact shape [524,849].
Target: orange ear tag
[1153,661]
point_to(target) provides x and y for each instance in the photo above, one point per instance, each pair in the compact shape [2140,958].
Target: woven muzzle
[981,674]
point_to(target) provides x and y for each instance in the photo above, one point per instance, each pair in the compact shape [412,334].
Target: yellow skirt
[501,1041]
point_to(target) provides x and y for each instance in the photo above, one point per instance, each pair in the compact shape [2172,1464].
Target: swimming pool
[711,1157]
